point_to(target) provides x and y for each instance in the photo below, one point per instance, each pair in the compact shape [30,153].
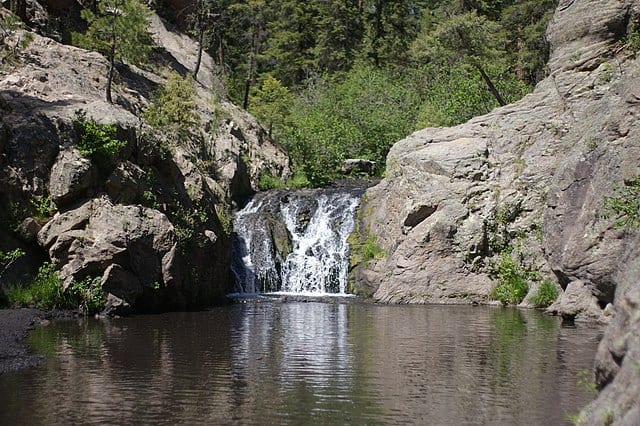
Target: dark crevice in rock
[417,216]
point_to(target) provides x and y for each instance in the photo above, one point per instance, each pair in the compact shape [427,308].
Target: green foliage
[271,104]
[87,295]
[512,284]
[11,40]
[7,258]
[117,28]
[632,41]
[363,248]
[546,294]
[44,208]
[46,292]
[358,117]
[625,204]
[186,220]
[97,141]
[173,109]
[266,181]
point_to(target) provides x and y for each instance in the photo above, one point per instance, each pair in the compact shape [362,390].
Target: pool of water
[265,362]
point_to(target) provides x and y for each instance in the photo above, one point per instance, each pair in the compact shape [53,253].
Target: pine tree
[390,27]
[119,30]
[466,38]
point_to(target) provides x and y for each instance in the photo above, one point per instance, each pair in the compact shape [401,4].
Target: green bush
[546,294]
[87,295]
[266,181]
[358,116]
[512,284]
[45,208]
[98,141]
[46,292]
[173,108]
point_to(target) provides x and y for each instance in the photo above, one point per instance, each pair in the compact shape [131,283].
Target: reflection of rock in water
[294,241]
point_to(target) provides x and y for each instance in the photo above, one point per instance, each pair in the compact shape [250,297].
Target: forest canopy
[337,79]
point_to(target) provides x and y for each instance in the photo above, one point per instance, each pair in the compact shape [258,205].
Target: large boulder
[91,239]
[72,177]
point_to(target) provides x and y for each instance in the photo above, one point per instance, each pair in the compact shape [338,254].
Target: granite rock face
[531,177]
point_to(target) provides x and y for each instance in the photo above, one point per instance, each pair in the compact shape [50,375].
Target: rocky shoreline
[15,325]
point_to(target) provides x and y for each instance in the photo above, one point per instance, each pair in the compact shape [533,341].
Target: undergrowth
[47,292]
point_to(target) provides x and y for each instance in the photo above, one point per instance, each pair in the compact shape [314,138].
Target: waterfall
[294,241]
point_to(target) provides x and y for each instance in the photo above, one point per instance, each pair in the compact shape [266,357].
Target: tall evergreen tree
[390,26]
[339,35]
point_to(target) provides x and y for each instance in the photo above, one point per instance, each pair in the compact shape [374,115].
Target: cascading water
[295,242]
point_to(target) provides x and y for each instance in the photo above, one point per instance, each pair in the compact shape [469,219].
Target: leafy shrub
[512,284]
[46,292]
[625,204]
[632,41]
[546,294]
[87,295]
[360,116]
[44,207]
[267,181]
[173,108]
[98,141]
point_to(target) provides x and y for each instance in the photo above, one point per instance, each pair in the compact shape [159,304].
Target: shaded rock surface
[530,177]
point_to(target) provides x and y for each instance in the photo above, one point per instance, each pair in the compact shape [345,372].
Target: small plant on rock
[97,141]
[546,294]
[512,280]
[44,207]
[625,204]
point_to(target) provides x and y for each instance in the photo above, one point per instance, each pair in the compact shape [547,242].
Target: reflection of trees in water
[265,362]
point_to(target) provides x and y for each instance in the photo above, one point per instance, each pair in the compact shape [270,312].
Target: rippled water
[298,363]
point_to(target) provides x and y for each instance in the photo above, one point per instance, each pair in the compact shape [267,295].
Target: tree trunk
[490,85]
[112,60]
[199,58]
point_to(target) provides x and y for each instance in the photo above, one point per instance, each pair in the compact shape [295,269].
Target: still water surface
[306,363]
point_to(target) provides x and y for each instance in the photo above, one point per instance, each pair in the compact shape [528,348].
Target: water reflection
[263,363]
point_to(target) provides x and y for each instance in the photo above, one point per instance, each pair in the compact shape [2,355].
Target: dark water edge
[306,362]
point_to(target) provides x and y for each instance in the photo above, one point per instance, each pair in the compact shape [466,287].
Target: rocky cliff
[530,180]
[155,222]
